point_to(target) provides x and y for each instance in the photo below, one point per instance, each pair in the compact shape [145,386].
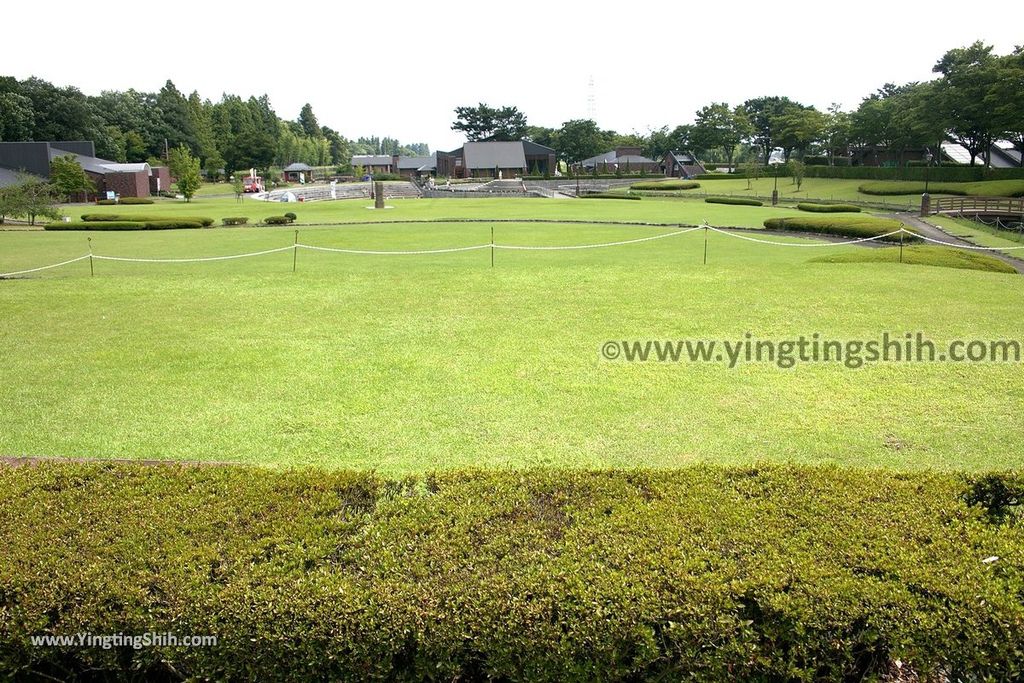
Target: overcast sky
[399,68]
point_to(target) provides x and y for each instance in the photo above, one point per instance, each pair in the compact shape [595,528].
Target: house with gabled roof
[681,165]
[493,159]
[624,159]
[125,180]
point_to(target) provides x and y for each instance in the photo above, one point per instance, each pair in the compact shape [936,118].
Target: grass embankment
[711,574]
[827,208]
[984,188]
[944,257]
[845,226]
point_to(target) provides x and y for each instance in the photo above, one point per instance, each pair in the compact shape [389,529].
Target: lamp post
[926,199]
[776,159]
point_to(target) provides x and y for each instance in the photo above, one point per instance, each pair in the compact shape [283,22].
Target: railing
[987,205]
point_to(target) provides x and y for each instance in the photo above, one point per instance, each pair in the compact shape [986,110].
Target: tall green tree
[766,115]
[1006,100]
[969,75]
[308,122]
[717,126]
[185,168]
[17,119]
[578,139]
[68,178]
[485,123]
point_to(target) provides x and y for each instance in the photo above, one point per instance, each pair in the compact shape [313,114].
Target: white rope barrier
[964,246]
[36,270]
[374,252]
[391,253]
[821,244]
[595,246]
[193,260]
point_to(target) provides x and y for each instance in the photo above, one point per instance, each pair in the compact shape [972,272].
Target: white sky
[653,63]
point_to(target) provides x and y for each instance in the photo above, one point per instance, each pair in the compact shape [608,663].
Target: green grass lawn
[405,364]
[981,235]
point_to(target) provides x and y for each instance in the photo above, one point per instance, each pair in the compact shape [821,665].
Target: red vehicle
[253,183]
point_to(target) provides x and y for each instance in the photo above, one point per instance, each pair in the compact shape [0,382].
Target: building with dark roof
[415,167]
[126,180]
[373,163]
[496,159]
[297,173]
[681,165]
[625,159]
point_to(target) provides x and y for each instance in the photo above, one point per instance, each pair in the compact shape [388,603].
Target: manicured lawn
[923,256]
[410,363]
[980,235]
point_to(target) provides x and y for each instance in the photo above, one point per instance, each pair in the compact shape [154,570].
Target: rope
[36,270]
[825,244]
[964,246]
[392,253]
[595,246]
[193,260]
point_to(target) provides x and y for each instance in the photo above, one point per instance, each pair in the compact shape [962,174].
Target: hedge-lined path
[936,233]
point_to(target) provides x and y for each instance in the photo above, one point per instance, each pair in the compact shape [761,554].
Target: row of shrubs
[124,200]
[204,221]
[737,201]
[950,174]
[846,226]
[702,574]
[666,185]
[609,195]
[987,188]
[828,208]
[175,224]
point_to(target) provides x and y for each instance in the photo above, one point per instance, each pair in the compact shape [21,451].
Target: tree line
[975,100]
[132,126]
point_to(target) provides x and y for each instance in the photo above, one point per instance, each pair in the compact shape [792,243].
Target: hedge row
[204,221]
[953,174]
[287,219]
[666,185]
[125,201]
[609,195]
[738,201]
[168,224]
[828,208]
[985,188]
[235,220]
[703,574]
[846,226]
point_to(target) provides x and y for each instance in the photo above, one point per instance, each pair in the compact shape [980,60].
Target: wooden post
[902,230]
[295,250]
[705,243]
[92,271]
[492,246]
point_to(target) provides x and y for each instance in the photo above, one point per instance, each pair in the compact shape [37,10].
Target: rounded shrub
[135,200]
[235,220]
[290,215]
[737,201]
[277,220]
[828,208]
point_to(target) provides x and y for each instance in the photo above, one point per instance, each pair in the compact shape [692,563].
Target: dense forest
[138,126]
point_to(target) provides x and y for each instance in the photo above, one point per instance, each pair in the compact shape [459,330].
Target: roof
[371,160]
[683,157]
[610,158]
[494,155]
[298,166]
[129,168]
[418,163]
[8,177]
[531,148]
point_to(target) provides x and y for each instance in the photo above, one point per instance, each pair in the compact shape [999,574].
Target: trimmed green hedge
[236,220]
[705,574]
[609,195]
[166,224]
[989,188]
[99,225]
[124,200]
[828,208]
[666,185]
[719,176]
[204,221]
[847,226]
[738,201]
[278,220]
[952,174]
